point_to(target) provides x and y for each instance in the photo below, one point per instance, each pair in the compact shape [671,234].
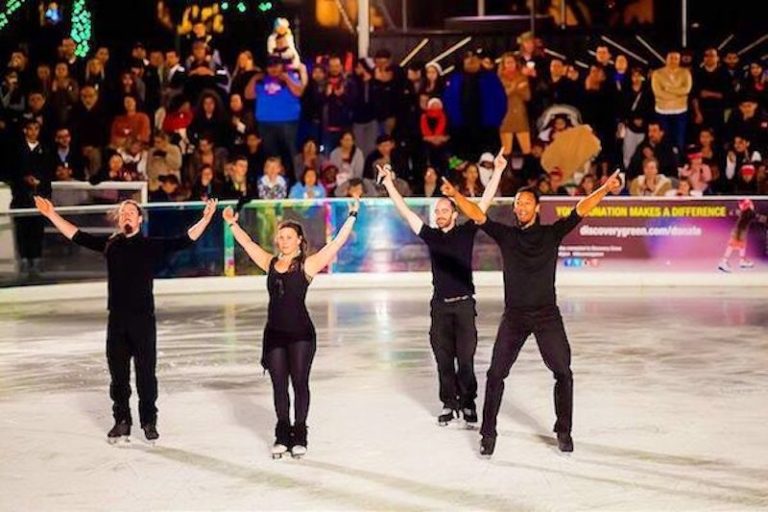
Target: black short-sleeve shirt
[530,260]
[130,263]
[451,256]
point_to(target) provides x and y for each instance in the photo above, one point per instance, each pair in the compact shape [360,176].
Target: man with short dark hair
[656,145]
[530,252]
[710,92]
[32,168]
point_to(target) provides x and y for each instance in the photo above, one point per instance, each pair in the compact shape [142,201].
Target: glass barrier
[622,234]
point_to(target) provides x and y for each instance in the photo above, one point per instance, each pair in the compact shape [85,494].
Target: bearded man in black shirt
[453,334]
[530,251]
[131,330]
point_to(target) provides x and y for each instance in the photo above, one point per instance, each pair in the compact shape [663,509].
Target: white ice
[671,409]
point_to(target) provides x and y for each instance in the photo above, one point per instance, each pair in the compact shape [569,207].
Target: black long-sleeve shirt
[130,262]
[530,260]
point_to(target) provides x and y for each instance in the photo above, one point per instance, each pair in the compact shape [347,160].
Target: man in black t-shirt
[529,251]
[453,335]
[131,330]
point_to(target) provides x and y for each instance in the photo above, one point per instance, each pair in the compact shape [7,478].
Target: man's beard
[128,229]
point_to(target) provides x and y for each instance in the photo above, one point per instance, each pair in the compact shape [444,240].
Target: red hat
[747,170]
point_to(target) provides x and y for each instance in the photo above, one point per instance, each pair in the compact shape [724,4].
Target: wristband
[353,214]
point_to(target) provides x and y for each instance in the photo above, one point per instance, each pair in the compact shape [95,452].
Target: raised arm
[467,207]
[45,207]
[414,221]
[586,205]
[254,250]
[322,258]
[196,231]
[499,164]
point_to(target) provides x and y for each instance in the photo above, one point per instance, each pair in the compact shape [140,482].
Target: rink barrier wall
[373,281]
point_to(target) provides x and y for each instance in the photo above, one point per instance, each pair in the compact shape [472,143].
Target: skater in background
[738,240]
[529,251]
[452,334]
[131,330]
[289,337]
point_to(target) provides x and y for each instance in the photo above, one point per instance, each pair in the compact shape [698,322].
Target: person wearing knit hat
[696,171]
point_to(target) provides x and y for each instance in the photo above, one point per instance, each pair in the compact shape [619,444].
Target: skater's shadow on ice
[750,497]
[248,413]
[276,481]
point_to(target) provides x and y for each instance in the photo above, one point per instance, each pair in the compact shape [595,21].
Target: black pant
[453,337]
[292,360]
[132,335]
[29,236]
[547,325]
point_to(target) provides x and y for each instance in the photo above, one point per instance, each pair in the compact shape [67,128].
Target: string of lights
[11,7]
[81,28]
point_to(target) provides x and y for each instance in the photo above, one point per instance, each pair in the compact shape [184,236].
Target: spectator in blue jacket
[475,103]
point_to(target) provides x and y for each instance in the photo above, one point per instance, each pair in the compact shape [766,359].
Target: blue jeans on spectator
[674,126]
[280,140]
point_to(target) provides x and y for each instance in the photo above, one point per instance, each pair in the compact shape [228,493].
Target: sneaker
[446,416]
[487,446]
[299,440]
[121,432]
[150,432]
[724,266]
[470,416]
[745,263]
[564,442]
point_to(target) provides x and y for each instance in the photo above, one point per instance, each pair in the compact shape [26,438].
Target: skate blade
[119,442]
[470,425]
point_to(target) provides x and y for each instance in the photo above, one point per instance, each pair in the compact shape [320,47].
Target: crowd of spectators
[194,127]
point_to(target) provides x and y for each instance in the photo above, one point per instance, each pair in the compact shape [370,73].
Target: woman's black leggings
[294,360]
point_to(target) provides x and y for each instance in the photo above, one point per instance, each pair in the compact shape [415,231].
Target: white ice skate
[745,263]
[724,266]
[279,451]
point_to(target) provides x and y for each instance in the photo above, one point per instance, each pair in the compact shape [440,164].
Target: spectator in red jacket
[434,132]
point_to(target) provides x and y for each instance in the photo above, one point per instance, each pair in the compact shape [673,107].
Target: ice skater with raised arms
[452,334]
[289,337]
[529,251]
[131,329]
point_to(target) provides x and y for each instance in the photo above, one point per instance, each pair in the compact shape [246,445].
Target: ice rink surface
[671,409]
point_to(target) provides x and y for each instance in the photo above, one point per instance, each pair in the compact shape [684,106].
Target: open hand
[210,209]
[447,188]
[44,206]
[230,217]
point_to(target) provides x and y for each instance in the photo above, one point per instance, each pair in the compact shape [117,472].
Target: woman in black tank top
[289,336]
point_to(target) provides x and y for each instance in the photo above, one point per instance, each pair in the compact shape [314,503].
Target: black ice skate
[150,432]
[446,416]
[487,446]
[120,433]
[564,442]
[470,417]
